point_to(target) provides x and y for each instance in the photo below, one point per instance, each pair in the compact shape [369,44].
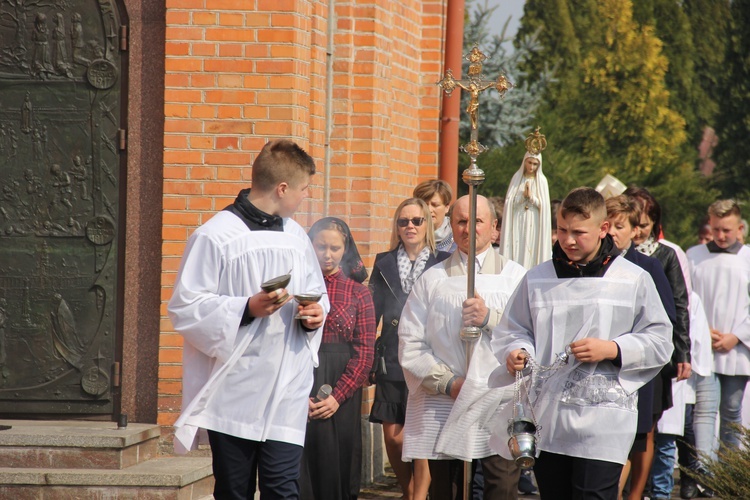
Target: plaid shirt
[351,319]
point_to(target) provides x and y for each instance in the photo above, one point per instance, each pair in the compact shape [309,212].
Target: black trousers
[500,479]
[236,462]
[561,477]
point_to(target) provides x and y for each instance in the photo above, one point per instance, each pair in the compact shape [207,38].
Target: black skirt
[389,404]
[332,458]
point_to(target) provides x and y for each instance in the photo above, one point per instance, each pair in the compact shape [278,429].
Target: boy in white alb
[248,364]
[607,312]
[721,277]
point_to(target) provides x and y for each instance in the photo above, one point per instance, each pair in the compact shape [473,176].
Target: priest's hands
[475,311]
[315,316]
[456,387]
[593,350]
[723,342]
[322,409]
[266,303]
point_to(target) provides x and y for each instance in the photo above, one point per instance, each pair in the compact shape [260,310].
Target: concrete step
[76,444]
[167,478]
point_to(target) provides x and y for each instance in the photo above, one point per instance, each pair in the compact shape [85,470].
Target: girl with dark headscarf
[332,456]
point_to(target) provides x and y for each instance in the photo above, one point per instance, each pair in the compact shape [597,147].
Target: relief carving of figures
[26,114]
[61,181]
[41,59]
[60,51]
[76,39]
[80,176]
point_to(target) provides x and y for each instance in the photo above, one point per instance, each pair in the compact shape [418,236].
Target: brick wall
[240,72]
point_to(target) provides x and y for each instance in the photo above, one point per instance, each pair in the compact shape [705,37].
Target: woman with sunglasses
[393,275]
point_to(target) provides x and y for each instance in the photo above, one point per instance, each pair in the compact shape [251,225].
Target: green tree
[709,22]
[733,125]
[502,120]
[672,26]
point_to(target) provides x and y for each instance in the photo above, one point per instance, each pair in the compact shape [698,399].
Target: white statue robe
[249,381]
[722,280]
[437,427]
[526,232]
[586,410]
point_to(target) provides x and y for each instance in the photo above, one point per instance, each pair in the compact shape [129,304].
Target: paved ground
[387,488]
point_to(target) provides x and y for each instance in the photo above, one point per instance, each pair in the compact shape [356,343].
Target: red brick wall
[239,73]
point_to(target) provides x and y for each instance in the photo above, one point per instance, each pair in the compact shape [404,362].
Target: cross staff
[475,84]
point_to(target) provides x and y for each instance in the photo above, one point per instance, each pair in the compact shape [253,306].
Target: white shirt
[248,381]
[722,280]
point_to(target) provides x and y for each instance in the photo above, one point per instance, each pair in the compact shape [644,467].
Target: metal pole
[470,335]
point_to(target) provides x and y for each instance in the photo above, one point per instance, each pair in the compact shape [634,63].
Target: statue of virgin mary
[526,235]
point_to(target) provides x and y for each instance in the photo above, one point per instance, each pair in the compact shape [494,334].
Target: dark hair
[554,206]
[648,205]
[584,201]
[280,161]
[351,263]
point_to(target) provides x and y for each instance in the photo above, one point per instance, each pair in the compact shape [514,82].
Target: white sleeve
[516,327]
[207,320]
[648,346]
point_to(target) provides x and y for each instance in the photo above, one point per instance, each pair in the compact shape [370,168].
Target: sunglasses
[417,221]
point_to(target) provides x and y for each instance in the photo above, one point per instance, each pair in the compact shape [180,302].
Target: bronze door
[60,150]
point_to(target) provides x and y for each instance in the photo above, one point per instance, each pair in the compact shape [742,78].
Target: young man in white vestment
[720,272]
[247,362]
[448,406]
[606,313]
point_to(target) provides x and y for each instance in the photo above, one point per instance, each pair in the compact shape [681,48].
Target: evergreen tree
[504,120]
[709,22]
[627,115]
[733,125]
[672,27]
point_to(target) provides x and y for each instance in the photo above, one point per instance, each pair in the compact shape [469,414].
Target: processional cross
[475,84]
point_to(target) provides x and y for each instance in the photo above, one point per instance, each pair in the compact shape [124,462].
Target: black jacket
[389,300]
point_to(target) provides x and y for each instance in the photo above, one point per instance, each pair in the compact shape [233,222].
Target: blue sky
[506,8]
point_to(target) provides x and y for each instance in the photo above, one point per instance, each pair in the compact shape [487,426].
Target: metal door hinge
[122,139]
[124,37]
[116,374]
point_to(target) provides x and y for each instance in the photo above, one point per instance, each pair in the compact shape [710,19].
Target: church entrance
[61,143]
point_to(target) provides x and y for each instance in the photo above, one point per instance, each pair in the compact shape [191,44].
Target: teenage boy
[606,313]
[247,363]
[721,277]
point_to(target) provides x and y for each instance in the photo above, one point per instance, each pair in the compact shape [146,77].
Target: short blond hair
[724,208]
[429,234]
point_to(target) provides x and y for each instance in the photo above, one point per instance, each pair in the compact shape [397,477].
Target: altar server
[247,363]
[607,313]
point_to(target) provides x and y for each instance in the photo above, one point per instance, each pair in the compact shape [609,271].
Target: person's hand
[265,303]
[322,409]
[314,313]
[474,311]
[593,350]
[526,190]
[683,371]
[723,342]
[516,361]
[456,387]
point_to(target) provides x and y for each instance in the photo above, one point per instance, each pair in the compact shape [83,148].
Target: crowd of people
[627,346]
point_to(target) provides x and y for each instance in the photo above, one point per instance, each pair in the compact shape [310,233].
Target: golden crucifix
[475,84]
